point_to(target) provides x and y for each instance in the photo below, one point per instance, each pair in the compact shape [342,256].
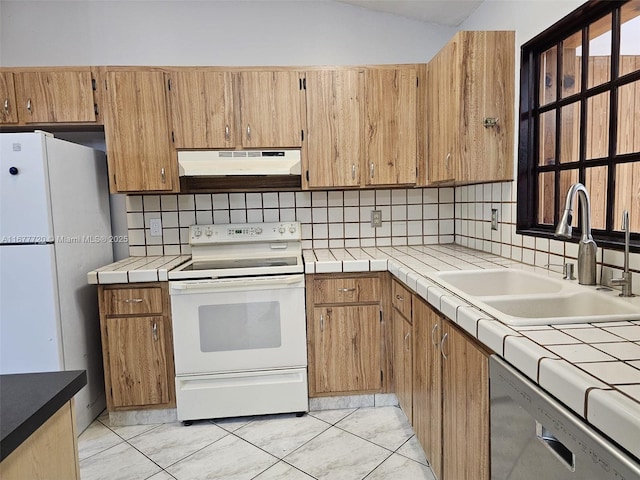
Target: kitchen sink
[503,281]
[520,297]
[587,306]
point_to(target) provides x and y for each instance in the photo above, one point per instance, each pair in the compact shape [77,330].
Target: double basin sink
[520,297]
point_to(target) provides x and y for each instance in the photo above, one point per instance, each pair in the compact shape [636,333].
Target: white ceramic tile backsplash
[333,219]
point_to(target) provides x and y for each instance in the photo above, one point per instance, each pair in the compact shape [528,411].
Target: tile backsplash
[337,219]
[333,219]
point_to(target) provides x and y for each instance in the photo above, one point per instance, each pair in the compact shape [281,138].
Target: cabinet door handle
[155,331]
[399,297]
[321,322]
[446,162]
[29,106]
[442,342]
[6,106]
[162,174]
[371,169]
[248,132]
[405,341]
[353,171]
[434,342]
[226,132]
[345,290]
[133,300]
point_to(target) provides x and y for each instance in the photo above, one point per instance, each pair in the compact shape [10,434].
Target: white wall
[209,32]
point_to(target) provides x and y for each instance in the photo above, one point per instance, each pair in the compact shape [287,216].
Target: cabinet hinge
[381,316]
[114,179]
[105,85]
[93,84]
[96,110]
[417,81]
[169,83]
[304,83]
[302,135]
[381,376]
[173,137]
[307,175]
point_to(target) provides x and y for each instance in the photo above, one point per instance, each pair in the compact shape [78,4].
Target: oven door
[238,324]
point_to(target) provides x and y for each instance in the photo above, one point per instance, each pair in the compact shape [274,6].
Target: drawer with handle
[401,299]
[132,301]
[347,290]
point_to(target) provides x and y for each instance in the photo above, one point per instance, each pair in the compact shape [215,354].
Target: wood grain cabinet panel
[8,110]
[56,96]
[403,362]
[137,346]
[471,84]
[346,290]
[202,113]
[137,361]
[334,124]
[137,132]
[346,349]
[401,299]
[390,136]
[270,109]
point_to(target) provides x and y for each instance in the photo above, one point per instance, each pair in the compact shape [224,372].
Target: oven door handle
[221,284]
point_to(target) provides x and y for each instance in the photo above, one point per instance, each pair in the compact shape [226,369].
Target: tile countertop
[137,269]
[594,369]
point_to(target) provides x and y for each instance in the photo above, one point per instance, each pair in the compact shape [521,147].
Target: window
[580,120]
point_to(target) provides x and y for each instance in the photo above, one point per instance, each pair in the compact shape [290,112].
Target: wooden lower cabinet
[344,334]
[450,397]
[137,346]
[465,408]
[427,382]
[401,300]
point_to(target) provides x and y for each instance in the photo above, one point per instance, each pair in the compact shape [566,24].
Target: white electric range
[238,312]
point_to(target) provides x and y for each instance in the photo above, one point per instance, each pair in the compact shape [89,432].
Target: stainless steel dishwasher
[533,436]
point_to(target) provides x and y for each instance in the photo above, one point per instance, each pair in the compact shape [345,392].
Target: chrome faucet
[625,280]
[586,247]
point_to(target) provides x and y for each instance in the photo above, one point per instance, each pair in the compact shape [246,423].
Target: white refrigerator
[54,228]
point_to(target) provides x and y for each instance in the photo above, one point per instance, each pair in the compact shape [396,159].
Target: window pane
[599,52]
[546,194]
[548,75]
[627,195]
[629,118]
[548,138]
[571,64]
[570,133]
[596,183]
[598,126]
[567,178]
[630,37]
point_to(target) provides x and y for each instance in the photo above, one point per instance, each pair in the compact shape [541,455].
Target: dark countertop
[28,400]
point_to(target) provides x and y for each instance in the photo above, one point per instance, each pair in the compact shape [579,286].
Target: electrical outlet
[494,219]
[376,218]
[155,224]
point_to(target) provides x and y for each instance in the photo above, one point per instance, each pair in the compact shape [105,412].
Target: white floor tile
[281,434]
[171,442]
[96,438]
[232,424]
[131,431]
[332,416]
[122,462]
[230,458]
[337,455]
[160,476]
[413,450]
[397,467]
[283,471]
[385,426]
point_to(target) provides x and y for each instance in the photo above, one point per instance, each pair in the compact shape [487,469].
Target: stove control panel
[244,233]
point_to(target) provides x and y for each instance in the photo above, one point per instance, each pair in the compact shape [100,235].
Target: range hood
[217,163]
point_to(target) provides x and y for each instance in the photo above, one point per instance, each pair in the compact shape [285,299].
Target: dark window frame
[528,144]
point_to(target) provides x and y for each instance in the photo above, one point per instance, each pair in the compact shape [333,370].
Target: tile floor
[363,443]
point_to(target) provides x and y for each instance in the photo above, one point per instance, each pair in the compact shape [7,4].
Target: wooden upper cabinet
[56,96]
[270,109]
[390,136]
[334,122]
[137,132]
[470,98]
[202,111]
[8,111]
